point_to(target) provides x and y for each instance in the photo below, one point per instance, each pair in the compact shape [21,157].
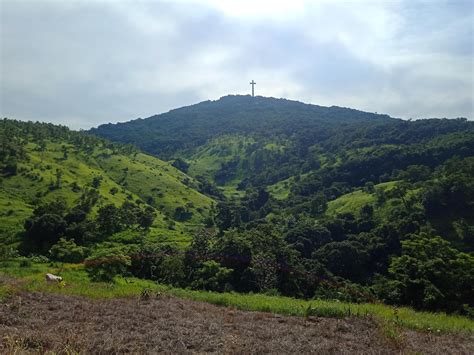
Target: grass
[281,189]
[350,203]
[354,202]
[134,176]
[78,283]
[207,160]
[158,182]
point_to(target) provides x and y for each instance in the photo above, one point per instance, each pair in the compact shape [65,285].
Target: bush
[104,266]
[25,262]
[211,276]
[39,259]
[67,251]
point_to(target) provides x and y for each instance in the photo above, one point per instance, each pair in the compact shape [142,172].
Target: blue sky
[84,63]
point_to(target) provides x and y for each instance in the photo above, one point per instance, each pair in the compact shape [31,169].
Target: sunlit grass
[123,177]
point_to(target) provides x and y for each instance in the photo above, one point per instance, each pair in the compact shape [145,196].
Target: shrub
[211,276]
[104,266]
[67,251]
[25,262]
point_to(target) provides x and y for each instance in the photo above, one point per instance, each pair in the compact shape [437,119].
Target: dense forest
[288,198]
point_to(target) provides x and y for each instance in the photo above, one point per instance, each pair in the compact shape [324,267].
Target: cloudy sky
[83,63]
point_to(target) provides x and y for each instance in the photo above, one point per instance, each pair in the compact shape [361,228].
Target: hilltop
[185,128]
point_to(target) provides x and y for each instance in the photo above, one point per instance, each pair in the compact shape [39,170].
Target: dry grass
[41,322]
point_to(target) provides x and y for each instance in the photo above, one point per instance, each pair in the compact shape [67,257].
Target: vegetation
[84,179]
[282,198]
[78,283]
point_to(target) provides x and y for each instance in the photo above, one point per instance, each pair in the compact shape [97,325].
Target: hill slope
[44,163]
[320,202]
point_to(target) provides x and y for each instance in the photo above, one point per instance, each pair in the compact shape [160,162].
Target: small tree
[431,274]
[67,251]
[146,218]
[211,276]
[109,219]
[104,266]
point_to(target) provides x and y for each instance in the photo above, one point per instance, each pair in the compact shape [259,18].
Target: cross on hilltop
[253,84]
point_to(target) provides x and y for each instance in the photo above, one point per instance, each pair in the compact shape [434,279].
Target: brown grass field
[44,322]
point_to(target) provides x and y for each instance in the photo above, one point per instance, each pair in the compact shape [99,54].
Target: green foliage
[347,259]
[313,201]
[180,164]
[182,214]
[211,276]
[109,220]
[67,251]
[118,172]
[44,229]
[431,274]
[105,265]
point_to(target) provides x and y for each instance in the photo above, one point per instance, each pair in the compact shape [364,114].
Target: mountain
[244,141]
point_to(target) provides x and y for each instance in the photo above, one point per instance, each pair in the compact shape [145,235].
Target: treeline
[69,233]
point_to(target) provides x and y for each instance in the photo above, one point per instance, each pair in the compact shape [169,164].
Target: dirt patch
[47,322]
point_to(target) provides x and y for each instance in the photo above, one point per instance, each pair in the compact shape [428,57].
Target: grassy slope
[208,158]
[150,177]
[143,173]
[77,283]
[354,201]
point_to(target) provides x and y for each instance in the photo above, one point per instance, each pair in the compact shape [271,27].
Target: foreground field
[133,315]
[30,278]
[162,323]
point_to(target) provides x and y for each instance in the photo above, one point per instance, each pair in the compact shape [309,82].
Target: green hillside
[61,166]
[381,207]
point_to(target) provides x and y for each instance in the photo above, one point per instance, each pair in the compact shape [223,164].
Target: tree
[431,274]
[67,251]
[347,259]
[180,164]
[182,214]
[106,264]
[43,231]
[146,218]
[211,276]
[109,220]
[59,175]
[306,237]
[96,180]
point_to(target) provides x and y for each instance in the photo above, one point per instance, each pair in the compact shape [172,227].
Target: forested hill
[188,127]
[241,141]
[311,201]
[330,193]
